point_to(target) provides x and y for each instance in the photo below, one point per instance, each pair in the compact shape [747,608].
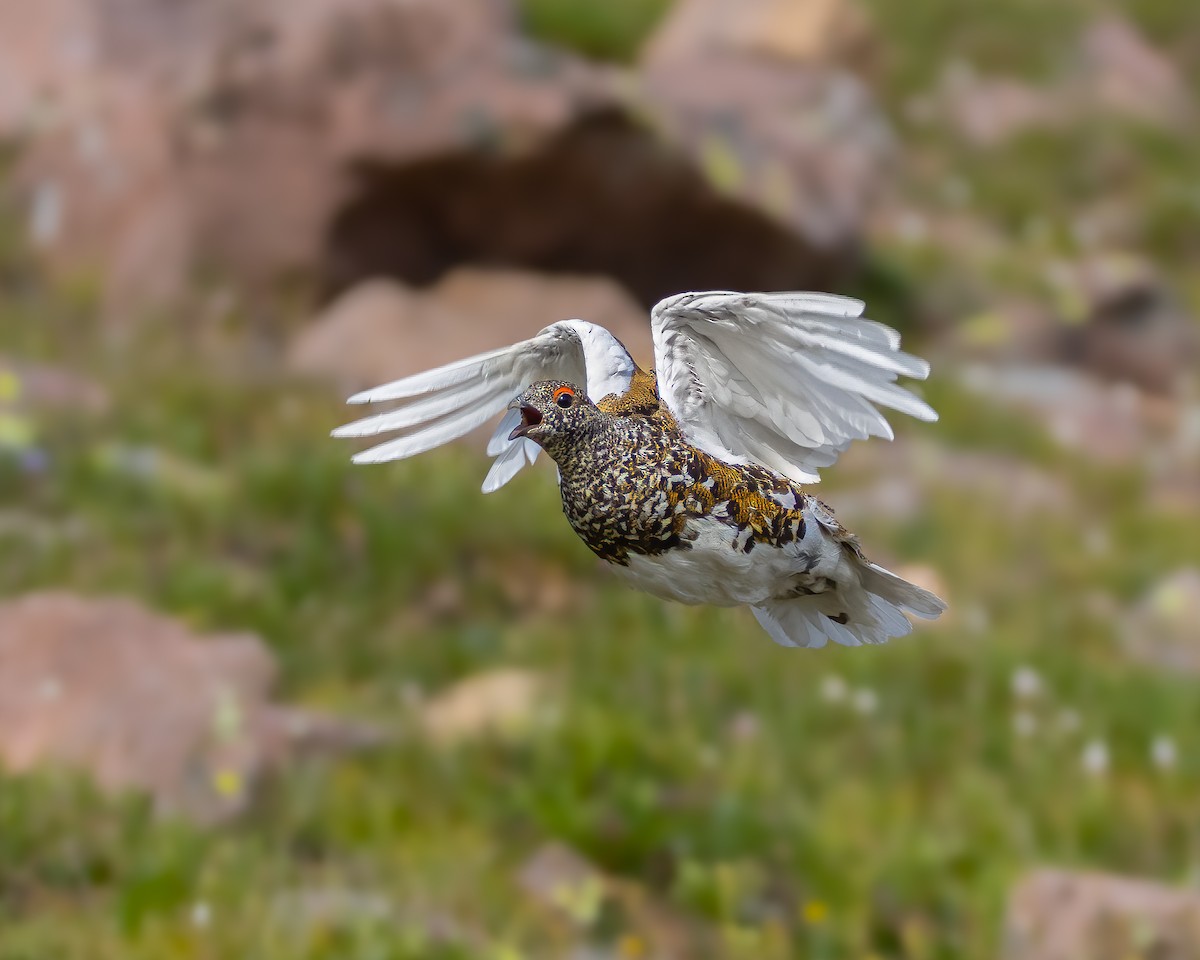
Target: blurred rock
[1117,72]
[559,878]
[969,238]
[1127,75]
[736,85]
[1124,323]
[1175,467]
[356,138]
[988,111]
[659,203]
[381,330]
[817,31]
[503,702]
[510,305]
[141,703]
[1163,629]
[1013,330]
[1060,915]
[905,477]
[365,337]
[1111,314]
[1107,423]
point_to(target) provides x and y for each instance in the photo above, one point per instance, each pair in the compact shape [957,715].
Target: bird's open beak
[530,418]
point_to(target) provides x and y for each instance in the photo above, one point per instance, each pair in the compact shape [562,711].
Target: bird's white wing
[786,380]
[443,404]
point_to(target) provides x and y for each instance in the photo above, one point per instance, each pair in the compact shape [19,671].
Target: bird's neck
[578,452]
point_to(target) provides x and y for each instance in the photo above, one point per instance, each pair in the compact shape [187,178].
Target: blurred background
[255,702]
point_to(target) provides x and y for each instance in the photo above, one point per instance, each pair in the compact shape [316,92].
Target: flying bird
[689,480]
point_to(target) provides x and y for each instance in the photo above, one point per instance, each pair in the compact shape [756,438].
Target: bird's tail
[851,614]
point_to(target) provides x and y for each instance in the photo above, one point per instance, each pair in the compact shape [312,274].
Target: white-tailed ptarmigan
[689,483]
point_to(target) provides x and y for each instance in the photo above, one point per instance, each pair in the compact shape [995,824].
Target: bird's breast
[638,489]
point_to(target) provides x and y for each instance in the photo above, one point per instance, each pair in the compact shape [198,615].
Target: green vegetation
[737,781]
[601,29]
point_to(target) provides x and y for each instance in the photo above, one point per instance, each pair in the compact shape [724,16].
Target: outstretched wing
[786,380]
[443,404]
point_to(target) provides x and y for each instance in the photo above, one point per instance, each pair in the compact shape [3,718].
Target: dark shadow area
[603,197]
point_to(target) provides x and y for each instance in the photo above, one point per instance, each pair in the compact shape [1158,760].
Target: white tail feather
[872,613]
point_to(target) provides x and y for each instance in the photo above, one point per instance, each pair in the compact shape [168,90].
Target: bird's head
[553,413]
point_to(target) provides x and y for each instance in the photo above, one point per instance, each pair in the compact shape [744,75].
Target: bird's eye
[565,399]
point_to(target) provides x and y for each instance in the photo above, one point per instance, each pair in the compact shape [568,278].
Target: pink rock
[1062,915]
[381,330]
[343,139]
[141,703]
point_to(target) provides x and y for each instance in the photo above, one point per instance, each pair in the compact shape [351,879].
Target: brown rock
[734,85]
[510,305]
[1125,323]
[1127,75]
[370,137]
[1118,72]
[503,702]
[659,210]
[365,337]
[563,881]
[1059,915]
[905,477]
[817,31]
[381,330]
[988,111]
[142,703]
[1107,423]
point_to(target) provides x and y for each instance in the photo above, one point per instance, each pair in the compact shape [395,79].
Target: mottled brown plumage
[631,482]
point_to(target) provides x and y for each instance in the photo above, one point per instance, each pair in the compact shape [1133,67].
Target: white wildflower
[833,689]
[1026,683]
[201,915]
[1164,753]
[865,701]
[1095,757]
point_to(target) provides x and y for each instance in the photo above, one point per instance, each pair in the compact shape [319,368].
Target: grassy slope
[905,825]
[826,834]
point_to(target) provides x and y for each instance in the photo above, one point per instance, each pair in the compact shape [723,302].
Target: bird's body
[686,497]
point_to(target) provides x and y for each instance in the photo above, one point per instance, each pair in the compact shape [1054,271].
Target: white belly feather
[716,572]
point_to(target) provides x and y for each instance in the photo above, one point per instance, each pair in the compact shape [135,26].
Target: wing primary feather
[428,408]
[504,468]
[440,377]
[431,435]
[499,441]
